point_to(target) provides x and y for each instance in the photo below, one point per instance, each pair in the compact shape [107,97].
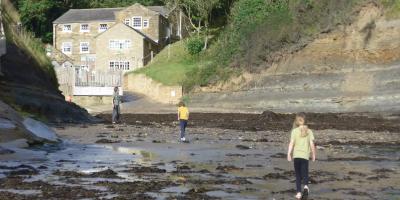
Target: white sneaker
[306,190]
[298,195]
[183,139]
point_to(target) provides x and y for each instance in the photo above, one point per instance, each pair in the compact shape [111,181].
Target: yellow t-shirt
[302,147]
[183,113]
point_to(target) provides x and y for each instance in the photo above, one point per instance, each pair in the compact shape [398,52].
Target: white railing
[98,79]
[88,83]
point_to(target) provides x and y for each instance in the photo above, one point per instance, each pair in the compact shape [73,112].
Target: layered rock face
[355,68]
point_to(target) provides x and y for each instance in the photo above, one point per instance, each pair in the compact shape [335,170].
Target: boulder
[13,127]
[40,132]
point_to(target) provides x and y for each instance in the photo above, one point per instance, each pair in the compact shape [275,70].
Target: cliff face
[28,88]
[353,68]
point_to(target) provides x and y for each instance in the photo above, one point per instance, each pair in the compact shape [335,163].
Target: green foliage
[194,45]
[35,15]
[392,7]
[171,65]
[24,39]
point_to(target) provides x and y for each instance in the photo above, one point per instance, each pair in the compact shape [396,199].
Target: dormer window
[84,27]
[145,23]
[137,22]
[67,28]
[103,27]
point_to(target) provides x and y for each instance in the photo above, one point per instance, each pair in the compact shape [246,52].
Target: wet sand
[144,160]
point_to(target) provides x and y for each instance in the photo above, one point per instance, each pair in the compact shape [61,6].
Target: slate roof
[88,15]
[99,14]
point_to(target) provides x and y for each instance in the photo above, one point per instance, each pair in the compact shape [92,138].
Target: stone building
[116,38]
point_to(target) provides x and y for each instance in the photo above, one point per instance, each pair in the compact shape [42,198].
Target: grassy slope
[183,69]
[24,39]
[172,70]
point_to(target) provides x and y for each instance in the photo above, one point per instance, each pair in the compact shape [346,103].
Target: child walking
[183,117]
[302,146]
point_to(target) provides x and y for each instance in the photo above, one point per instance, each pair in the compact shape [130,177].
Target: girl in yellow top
[183,117]
[301,145]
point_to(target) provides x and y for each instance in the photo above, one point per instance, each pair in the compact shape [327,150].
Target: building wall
[120,32]
[76,37]
[157,23]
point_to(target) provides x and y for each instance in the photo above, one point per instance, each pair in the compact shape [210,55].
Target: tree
[199,13]
[35,16]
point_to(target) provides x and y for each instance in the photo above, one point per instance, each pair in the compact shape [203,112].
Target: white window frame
[67,30]
[117,44]
[104,28]
[123,65]
[64,45]
[146,23]
[81,46]
[127,21]
[141,22]
[85,30]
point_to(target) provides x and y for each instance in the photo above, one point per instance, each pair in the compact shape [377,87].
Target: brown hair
[181,103]
[304,131]
[116,89]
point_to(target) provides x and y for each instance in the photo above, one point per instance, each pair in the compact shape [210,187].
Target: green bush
[194,45]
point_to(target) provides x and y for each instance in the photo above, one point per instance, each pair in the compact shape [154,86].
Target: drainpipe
[180,24]
[54,36]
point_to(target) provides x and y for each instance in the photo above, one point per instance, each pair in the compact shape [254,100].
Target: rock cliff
[353,68]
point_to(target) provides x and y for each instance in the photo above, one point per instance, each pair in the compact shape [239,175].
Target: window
[120,44]
[84,47]
[85,28]
[119,65]
[127,21]
[137,22]
[145,23]
[67,47]
[103,27]
[67,28]
[88,58]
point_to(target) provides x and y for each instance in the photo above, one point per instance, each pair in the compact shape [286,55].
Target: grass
[392,8]
[171,65]
[24,39]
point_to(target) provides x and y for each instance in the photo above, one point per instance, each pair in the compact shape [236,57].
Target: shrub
[194,45]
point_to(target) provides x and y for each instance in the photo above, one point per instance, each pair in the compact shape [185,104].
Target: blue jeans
[301,169]
[183,124]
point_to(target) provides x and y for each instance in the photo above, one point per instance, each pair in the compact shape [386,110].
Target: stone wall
[139,83]
[134,54]
[137,10]
[76,37]
[87,101]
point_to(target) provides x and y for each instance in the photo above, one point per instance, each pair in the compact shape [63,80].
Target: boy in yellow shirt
[183,117]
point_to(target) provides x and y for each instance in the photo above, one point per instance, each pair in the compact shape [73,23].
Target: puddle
[22,192]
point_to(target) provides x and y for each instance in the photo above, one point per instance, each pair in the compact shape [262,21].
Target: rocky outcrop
[29,88]
[13,127]
[354,68]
